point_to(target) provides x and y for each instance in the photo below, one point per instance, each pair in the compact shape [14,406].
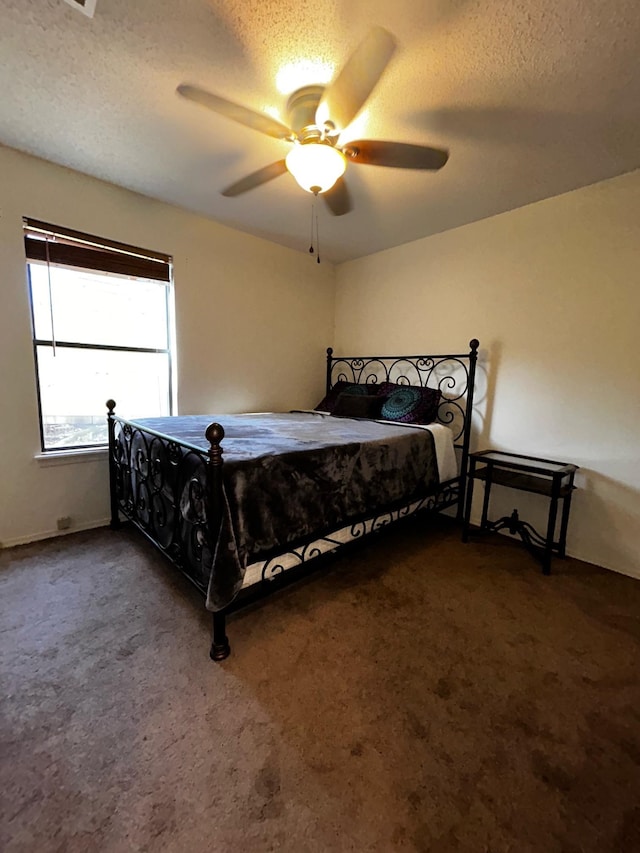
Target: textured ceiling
[531,97]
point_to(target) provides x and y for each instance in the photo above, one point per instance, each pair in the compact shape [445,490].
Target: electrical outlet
[87,7]
[64,523]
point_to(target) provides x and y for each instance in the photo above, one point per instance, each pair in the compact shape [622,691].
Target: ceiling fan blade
[343,99]
[399,155]
[338,198]
[267,173]
[243,115]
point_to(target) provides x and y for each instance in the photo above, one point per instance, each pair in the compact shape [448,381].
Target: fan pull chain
[311,249]
[314,216]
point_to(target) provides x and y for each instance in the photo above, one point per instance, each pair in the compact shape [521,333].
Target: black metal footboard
[148,474]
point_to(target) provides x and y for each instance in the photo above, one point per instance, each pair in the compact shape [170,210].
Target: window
[101,318]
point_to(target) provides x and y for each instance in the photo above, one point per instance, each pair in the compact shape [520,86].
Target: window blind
[65,247]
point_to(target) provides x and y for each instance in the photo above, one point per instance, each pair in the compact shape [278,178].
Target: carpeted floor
[418,695]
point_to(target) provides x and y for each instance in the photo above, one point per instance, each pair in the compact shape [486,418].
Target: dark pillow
[409,404]
[327,404]
[358,406]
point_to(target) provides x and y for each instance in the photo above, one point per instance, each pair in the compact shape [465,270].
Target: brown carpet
[418,695]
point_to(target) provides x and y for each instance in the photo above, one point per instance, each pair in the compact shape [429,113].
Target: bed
[242,503]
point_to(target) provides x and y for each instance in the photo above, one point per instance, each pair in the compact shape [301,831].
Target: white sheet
[445,451]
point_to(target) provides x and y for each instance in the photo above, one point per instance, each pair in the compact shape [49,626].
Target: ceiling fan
[317,115]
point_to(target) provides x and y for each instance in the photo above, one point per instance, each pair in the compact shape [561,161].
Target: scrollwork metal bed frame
[160,457]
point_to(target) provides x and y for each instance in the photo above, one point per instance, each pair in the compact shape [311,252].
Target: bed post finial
[214,434]
[113,471]
[329,358]
[474,343]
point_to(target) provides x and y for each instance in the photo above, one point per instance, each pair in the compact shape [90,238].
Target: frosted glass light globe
[316,166]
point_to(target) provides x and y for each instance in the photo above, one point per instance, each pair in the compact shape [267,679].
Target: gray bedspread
[291,478]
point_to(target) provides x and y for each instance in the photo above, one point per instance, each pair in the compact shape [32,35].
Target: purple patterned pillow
[410,404]
[328,403]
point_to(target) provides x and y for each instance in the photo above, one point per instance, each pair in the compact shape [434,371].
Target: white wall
[552,290]
[253,321]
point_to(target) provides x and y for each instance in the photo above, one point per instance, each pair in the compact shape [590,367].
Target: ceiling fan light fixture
[316,166]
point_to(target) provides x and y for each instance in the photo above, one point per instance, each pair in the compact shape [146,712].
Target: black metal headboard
[453,373]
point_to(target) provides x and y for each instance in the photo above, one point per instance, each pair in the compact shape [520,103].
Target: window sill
[70,457]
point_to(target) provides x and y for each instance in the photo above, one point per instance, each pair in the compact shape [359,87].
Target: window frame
[118,252]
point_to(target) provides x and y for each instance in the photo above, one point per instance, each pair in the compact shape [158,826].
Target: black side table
[527,474]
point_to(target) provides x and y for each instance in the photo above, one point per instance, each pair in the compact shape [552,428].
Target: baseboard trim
[104,522]
[52,534]
[629,573]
